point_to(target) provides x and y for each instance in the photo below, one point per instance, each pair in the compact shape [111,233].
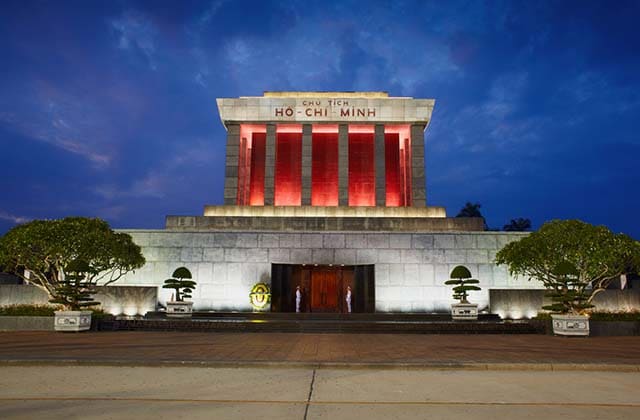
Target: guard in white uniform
[298,298]
[348,299]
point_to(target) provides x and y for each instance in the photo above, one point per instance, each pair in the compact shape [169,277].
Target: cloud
[136,34]
[156,183]
[61,119]
[12,218]
[494,123]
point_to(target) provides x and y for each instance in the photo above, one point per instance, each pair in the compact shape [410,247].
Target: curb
[548,367]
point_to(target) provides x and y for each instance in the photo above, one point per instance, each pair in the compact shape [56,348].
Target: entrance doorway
[324,288]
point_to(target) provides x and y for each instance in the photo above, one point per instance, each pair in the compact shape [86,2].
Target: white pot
[179,309]
[464,311]
[72,320]
[564,324]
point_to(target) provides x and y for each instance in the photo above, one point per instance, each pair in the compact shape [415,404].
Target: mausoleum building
[325,191]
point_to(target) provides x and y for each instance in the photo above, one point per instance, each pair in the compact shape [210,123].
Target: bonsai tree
[182,287]
[574,261]
[463,283]
[566,294]
[69,258]
[75,292]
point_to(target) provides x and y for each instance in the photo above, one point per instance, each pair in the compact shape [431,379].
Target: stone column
[306,164]
[381,185]
[343,165]
[269,165]
[418,189]
[231,165]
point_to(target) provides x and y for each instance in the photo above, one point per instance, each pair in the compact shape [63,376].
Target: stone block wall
[410,268]
[117,300]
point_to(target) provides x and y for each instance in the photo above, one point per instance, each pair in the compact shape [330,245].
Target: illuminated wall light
[515,314]
[130,310]
[115,310]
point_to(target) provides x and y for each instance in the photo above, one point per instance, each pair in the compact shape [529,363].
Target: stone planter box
[72,320]
[464,312]
[571,325]
[26,323]
[179,309]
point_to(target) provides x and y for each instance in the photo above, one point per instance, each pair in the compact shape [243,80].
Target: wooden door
[324,290]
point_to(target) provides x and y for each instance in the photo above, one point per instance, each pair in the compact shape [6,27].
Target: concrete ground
[118,392]
[120,375]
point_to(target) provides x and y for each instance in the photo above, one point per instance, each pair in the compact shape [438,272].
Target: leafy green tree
[462,282]
[472,210]
[574,261]
[68,258]
[518,225]
[182,287]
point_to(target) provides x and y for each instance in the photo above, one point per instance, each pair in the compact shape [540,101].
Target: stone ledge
[325,211]
[304,224]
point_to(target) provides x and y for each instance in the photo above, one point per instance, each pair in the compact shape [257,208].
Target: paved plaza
[110,392]
[540,351]
[158,375]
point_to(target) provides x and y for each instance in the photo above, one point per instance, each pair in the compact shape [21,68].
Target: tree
[182,287]
[69,256]
[518,225]
[574,261]
[463,283]
[472,210]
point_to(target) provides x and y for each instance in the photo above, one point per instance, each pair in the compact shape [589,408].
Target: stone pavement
[538,352]
[143,392]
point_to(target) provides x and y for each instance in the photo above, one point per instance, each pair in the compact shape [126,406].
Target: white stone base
[179,309]
[577,325]
[464,311]
[72,320]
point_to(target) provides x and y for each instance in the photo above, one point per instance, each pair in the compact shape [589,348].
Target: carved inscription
[325,108]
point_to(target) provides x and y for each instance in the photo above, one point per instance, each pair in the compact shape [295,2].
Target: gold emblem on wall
[260,296]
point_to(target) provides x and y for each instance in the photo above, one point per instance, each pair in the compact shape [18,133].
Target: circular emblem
[260,295]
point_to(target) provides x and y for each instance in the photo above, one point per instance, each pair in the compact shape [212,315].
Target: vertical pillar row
[269,165]
[231,165]
[379,153]
[418,188]
[343,164]
[306,164]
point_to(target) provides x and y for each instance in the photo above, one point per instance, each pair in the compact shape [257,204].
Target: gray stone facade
[410,268]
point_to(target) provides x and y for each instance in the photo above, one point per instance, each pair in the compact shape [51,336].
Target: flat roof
[324,94]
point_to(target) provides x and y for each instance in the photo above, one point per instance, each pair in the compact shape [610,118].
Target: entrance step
[326,323]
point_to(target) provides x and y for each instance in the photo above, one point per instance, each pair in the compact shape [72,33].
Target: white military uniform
[298,299]
[348,299]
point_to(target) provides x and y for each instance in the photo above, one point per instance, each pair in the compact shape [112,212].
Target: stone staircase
[382,323]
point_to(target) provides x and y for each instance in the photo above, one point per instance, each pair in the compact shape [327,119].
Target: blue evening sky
[107,108]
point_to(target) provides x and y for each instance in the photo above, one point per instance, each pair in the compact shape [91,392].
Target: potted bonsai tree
[75,294]
[574,261]
[68,259]
[569,300]
[462,285]
[183,285]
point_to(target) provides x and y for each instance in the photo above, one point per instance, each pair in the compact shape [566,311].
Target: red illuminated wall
[397,165]
[405,171]
[362,183]
[288,170]
[394,196]
[256,193]
[324,169]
